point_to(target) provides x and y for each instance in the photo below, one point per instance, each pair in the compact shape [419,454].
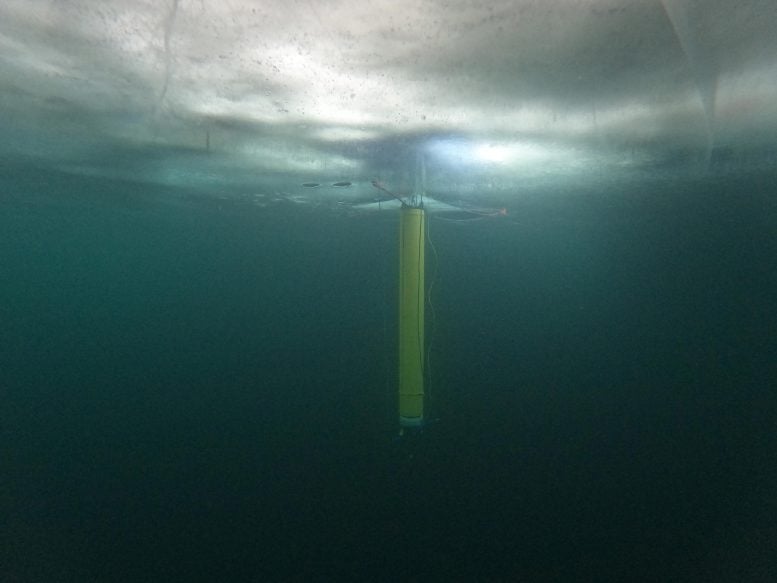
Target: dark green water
[203,390]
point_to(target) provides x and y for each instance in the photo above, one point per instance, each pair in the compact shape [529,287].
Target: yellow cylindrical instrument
[411,317]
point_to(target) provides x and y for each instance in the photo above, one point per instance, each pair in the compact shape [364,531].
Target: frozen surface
[499,97]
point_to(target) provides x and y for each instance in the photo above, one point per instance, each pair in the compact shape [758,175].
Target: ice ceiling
[494,95]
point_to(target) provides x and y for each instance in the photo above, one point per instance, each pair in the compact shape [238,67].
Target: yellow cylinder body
[411,317]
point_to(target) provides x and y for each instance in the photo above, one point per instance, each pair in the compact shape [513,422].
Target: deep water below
[203,389]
